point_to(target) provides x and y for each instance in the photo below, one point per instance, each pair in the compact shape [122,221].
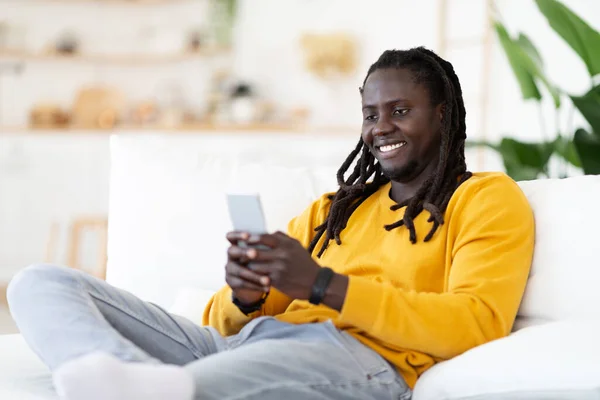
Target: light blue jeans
[63,314]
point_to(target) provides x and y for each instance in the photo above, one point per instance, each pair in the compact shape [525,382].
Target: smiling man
[412,261]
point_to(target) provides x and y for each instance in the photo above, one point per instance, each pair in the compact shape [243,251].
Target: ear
[439,110]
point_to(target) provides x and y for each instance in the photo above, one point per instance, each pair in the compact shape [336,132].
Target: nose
[382,127]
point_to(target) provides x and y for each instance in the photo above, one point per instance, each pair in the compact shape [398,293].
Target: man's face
[400,125]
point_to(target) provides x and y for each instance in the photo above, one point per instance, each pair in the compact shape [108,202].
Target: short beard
[403,173]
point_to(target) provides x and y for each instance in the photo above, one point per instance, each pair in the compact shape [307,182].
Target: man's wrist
[248,308]
[335,295]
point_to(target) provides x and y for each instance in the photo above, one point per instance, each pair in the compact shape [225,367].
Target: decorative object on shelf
[67,44]
[144,113]
[48,116]
[243,105]
[299,116]
[329,55]
[121,59]
[195,41]
[172,105]
[98,108]
[216,110]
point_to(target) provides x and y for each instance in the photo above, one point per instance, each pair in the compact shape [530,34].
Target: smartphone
[246,213]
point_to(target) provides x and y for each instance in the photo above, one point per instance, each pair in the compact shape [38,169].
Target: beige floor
[6,323]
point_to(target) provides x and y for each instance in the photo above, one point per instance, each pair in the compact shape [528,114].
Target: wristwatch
[319,288]
[248,309]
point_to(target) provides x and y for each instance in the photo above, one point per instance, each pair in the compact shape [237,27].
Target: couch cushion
[558,360]
[168,215]
[565,273]
[22,374]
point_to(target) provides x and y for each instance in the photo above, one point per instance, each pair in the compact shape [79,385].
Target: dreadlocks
[435,193]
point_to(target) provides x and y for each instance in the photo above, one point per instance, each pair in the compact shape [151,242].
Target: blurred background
[74,72]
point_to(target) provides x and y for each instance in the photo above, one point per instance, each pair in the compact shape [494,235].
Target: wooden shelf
[188,128]
[134,59]
[199,127]
[111,2]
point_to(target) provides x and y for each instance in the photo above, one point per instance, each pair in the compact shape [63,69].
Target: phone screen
[246,213]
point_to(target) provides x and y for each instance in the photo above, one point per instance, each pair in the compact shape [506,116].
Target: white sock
[100,376]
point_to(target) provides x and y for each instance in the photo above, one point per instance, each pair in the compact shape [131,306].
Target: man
[412,261]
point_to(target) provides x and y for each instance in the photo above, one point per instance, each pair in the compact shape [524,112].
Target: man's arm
[491,257]
[225,317]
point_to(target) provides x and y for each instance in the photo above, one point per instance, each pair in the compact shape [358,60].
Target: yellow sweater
[416,304]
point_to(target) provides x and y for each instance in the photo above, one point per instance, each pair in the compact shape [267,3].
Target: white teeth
[391,147]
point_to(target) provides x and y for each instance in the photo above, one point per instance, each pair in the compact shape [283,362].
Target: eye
[400,111]
[370,117]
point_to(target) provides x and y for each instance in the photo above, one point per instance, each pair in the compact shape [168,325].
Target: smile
[390,147]
[390,150]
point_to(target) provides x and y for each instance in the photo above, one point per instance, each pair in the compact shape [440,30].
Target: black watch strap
[319,288]
[248,309]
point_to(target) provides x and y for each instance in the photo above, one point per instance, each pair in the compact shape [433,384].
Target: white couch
[166,244]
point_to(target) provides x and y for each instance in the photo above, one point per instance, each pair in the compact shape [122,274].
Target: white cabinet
[47,178]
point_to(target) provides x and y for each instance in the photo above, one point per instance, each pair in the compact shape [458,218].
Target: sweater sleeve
[223,315]
[492,233]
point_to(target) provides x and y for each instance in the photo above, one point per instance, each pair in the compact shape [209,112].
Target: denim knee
[23,284]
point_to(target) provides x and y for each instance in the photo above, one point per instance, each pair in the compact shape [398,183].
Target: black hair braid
[434,195]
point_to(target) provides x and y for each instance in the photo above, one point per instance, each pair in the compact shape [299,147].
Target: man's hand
[287,263]
[248,286]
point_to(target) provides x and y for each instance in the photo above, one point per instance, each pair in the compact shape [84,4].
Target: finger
[237,236]
[236,283]
[266,268]
[260,255]
[238,271]
[266,239]
[236,253]
[283,237]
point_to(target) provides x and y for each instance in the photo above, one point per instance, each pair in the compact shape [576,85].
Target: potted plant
[579,147]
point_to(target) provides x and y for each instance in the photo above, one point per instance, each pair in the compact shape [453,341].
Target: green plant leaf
[525,161]
[523,173]
[514,53]
[589,106]
[567,150]
[231,7]
[530,154]
[532,61]
[526,64]
[588,147]
[582,38]
[530,49]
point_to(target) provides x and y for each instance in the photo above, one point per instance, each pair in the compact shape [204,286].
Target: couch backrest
[167,211]
[565,273]
[168,215]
